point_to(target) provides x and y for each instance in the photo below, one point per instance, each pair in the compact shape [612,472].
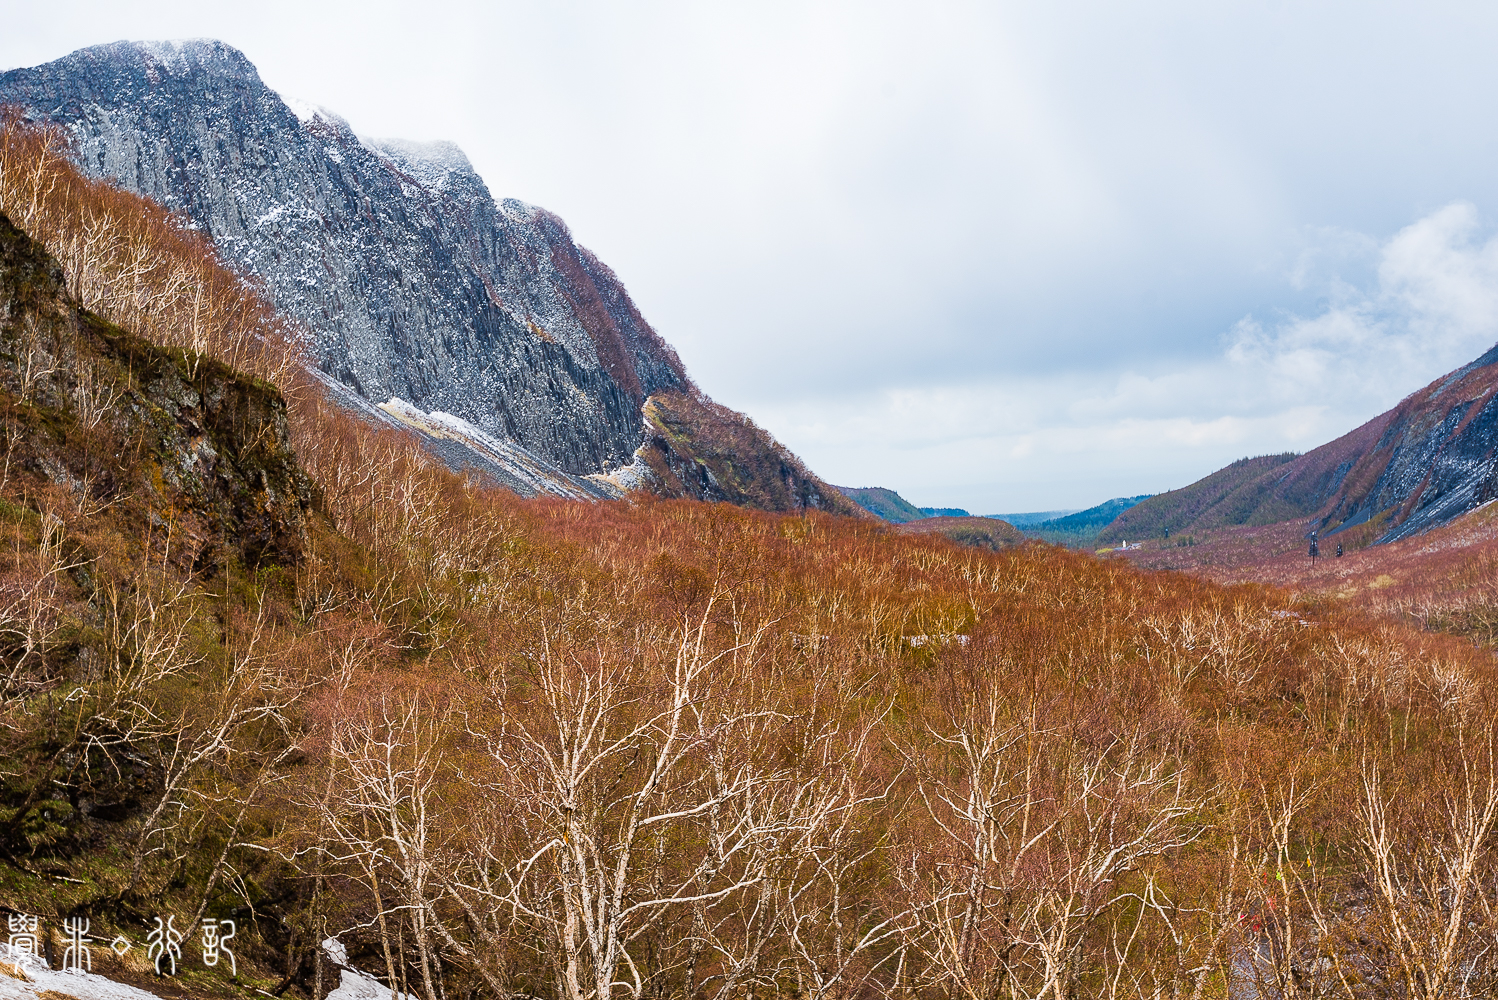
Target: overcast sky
[999,256]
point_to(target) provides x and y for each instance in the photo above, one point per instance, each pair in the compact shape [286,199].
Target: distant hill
[1082,527]
[1241,493]
[979,532]
[944,512]
[1023,521]
[1419,465]
[883,503]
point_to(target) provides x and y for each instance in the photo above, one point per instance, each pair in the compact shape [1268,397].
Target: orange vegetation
[134,263]
[668,748]
[1443,580]
[983,532]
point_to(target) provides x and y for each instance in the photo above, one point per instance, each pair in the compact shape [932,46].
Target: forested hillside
[1082,528]
[883,503]
[504,747]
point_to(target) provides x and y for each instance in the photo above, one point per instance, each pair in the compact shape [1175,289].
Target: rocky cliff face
[1429,459]
[158,443]
[414,282]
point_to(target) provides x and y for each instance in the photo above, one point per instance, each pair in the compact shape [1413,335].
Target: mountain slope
[696,448]
[978,532]
[883,503]
[1418,465]
[1080,527]
[414,282]
[1031,518]
[1235,494]
[168,445]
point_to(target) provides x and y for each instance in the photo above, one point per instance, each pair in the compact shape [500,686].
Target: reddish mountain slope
[697,448]
[979,532]
[1426,461]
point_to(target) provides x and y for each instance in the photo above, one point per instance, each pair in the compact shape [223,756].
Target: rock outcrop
[698,449]
[161,442]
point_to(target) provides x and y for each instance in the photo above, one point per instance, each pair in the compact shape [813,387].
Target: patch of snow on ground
[353,984]
[39,978]
[630,478]
[513,458]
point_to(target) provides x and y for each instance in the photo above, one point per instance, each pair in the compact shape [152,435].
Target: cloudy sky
[1000,256]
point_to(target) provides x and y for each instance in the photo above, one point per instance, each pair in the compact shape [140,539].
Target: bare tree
[1041,846]
[613,757]
[381,812]
[33,603]
[1429,859]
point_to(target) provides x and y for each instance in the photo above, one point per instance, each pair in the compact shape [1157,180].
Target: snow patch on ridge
[306,111]
[432,164]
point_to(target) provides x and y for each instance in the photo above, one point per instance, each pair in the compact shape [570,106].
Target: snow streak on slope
[535,476]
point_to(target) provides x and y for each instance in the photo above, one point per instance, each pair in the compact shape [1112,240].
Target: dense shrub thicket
[651,749]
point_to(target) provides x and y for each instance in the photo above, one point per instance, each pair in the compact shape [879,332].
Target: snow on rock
[433,164]
[516,461]
[631,478]
[306,111]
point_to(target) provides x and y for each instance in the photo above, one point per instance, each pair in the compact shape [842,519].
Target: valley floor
[1444,580]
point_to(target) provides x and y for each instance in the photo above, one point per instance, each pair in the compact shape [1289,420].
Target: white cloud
[1288,384]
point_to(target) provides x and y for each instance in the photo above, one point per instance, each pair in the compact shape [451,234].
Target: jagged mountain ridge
[416,284]
[1428,460]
